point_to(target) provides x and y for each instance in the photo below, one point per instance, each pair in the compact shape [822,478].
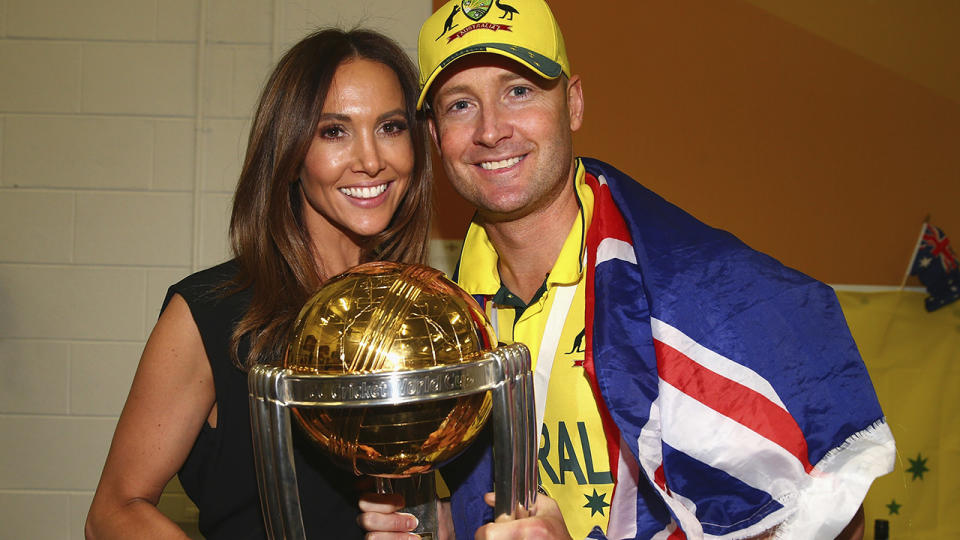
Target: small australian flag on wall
[937,267]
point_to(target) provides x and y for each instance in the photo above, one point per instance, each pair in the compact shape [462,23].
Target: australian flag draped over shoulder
[937,267]
[738,396]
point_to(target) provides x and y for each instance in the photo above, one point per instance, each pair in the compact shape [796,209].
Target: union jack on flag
[936,244]
[936,266]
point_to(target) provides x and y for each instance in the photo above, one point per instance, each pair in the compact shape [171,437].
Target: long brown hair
[268,236]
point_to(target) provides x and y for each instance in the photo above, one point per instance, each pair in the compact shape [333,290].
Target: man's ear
[432,126]
[575,102]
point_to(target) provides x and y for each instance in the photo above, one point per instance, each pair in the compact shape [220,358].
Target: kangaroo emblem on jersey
[476,9]
[578,348]
[447,26]
[578,342]
[507,9]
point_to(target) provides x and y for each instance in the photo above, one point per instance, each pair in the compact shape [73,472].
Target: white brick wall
[84,152]
[237,73]
[132,20]
[39,76]
[118,158]
[225,140]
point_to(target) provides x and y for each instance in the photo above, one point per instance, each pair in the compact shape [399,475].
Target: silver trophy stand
[504,371]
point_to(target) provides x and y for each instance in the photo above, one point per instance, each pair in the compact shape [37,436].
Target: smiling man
[687,385]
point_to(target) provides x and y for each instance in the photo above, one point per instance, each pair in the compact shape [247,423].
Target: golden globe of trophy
[392,370]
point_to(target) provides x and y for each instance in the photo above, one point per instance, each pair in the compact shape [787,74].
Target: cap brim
[540,64]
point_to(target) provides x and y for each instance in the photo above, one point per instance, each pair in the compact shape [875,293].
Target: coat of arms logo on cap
[475,9]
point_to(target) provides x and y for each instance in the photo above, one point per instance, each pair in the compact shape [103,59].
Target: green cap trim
[545,66]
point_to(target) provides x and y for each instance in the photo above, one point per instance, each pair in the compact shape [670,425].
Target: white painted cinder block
[224,147]
[443,254]
[134,228]
[64,302]
[234,78]
[53,453]
[100,376]
[399,20]
[2,122]
[36,226]
[125,168]
[215,224]
[412,53]
[177,20]
[180,509]
[35,376]
[240,21]
[158,281]
[174,147]
[177,506]
[139,78]
[78,152]
[35,515]
[218,79]
[39,76]
[92,19]
[252,66]
[79,506]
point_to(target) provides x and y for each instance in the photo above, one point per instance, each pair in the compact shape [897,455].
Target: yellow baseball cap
[522,30]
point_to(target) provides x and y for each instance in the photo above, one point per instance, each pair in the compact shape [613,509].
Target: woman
[335,174]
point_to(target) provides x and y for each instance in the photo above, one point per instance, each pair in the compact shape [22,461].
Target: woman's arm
[171,397]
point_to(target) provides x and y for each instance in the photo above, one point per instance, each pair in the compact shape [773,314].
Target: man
[688,386]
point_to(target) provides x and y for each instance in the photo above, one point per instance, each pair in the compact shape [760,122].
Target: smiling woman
[358,165]
[335,174]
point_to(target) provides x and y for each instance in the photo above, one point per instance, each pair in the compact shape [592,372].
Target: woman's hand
[381,516]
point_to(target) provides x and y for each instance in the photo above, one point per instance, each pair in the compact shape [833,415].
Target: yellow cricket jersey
[573,460]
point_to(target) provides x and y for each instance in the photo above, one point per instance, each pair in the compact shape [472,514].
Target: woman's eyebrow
[388,114]
[346,117]
[335,116]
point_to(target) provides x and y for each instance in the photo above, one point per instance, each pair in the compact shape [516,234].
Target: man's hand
[546,523]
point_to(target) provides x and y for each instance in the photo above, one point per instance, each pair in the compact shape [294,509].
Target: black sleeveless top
[219,474]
